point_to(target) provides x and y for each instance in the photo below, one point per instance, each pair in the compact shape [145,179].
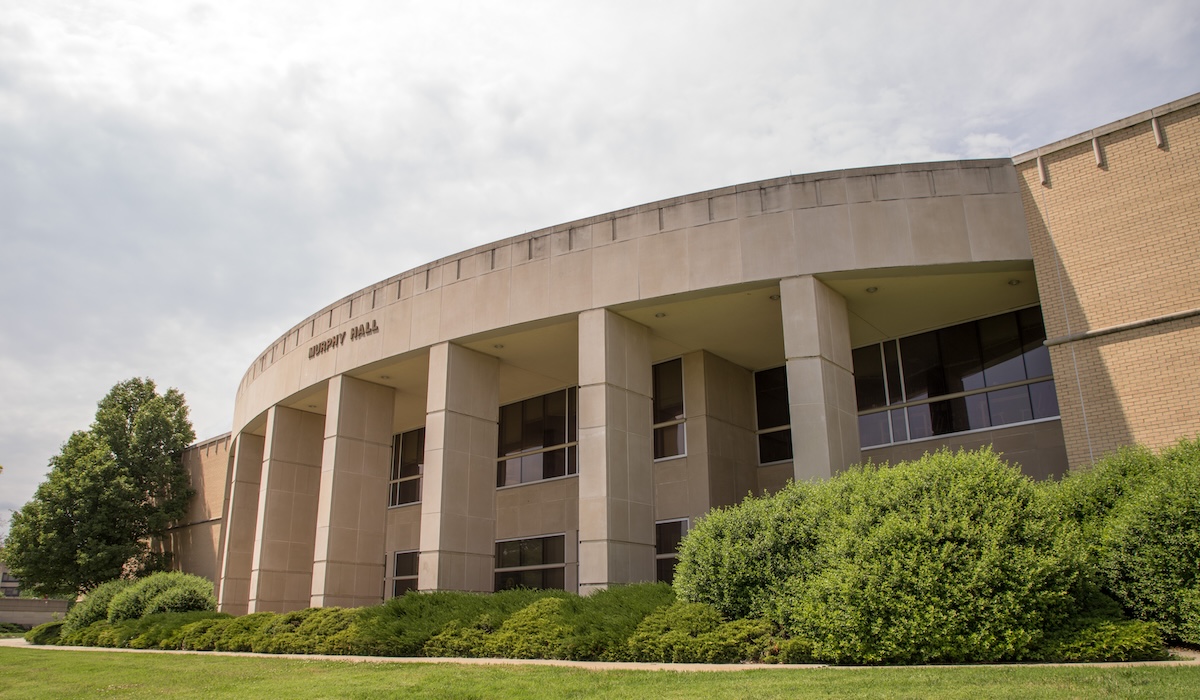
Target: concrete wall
[30,612]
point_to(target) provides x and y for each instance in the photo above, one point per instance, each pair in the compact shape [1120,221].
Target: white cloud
[179,184]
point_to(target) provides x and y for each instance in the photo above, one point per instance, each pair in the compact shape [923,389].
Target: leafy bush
[953,557]
[179,592]
[234,634]
[1139,513]
[45,633]
[1103,639]
[94,607]
[695,633]
[11,628]
[1150,551]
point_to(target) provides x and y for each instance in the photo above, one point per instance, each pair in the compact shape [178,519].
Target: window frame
[498,571]
[672,555]
[395,579]
[680,422]
[570,447]
[395,485]
[898,412]
[759,432]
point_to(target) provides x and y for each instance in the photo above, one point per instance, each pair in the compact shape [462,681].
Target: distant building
[10,587]
[557,408]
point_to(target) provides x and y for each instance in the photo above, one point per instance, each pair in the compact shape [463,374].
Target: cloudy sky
[182,182]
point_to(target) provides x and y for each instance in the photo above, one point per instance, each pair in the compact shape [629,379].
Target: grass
[39,673]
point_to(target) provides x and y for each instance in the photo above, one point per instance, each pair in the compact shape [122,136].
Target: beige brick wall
[1117,244]
[195,541]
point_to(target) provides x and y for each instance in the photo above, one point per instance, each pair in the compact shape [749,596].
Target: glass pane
[554,549]
[556,419]
[554,579]
[412,453]
[1010,405]
[891,360]
[531,468]
[920,422]
[1044,399]
[396,450]
[554,464]
[572,460]
[510,429]
[771,398]
[1001,341]
[531,552]
[666,569]
[572,411]
[1033,334]
[406,564]
[506,581]
[668,391]
[402,586]
[508,472]
[961,361]
[667,537]
[978,415]
[922,364]
[869,384]
[508,554]
[899,425]
[668,441]
[409,491]
[873,429]
[394,495]
[774,447]
[533,421]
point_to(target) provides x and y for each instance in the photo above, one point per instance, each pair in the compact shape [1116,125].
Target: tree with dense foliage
[110,490]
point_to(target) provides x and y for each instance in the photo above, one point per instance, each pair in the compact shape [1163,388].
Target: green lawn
[39,673]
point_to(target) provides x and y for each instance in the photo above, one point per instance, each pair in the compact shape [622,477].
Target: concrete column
[616,469]
[458,504]
[724,428]
[239,525]
[820,371]
[281,570]
[352,510]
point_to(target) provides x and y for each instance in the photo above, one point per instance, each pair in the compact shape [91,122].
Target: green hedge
[165,591]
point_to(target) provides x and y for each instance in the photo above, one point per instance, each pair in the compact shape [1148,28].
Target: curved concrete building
[555,409]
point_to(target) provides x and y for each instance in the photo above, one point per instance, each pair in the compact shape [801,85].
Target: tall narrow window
[538,439]
[408,463]
[536,562]
[667,536]
[669,434]
[773,415]
[404,573]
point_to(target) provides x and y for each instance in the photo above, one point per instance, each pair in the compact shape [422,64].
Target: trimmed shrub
[950,558]
[141,597]
[1089,496]
[308,631]
[94,607]
[695,633]
[11,628]
[402,626]
[237,634]
[537,631]
[1103,639]
[45,633]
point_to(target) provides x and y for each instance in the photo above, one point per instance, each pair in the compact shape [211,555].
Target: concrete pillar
[352,510]
[616,469]
[820,372]
[458,504]
[239,523]
[724,427]
[281,570]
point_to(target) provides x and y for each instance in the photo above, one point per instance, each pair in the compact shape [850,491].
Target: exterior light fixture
[659,315]
[774,297]
[499,346]
[385,376]
[872,290]
[1013,282]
